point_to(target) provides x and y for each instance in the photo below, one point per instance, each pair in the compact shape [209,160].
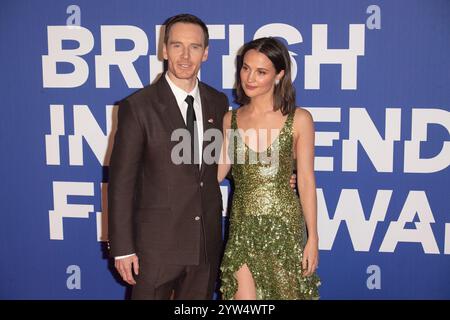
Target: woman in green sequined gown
[272,249]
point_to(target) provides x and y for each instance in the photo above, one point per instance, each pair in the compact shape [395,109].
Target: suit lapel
[168,102]
[208,113]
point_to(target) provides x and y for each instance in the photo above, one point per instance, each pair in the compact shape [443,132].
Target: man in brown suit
[165,218]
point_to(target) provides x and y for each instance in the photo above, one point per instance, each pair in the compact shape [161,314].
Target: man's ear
[205,54]
[164,51]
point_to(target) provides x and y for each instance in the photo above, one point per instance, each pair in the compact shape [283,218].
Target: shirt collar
[180,94]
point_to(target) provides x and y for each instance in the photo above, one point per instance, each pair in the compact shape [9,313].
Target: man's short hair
[186,18]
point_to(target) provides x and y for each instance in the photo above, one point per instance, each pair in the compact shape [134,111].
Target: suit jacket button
[201,184]
[197,218]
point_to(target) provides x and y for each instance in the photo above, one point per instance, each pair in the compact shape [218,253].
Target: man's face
[185,51]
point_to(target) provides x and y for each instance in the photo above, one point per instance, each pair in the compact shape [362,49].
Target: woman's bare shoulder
[302,117]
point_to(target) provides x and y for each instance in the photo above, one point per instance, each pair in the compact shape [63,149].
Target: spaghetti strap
[290,122]
[233,119]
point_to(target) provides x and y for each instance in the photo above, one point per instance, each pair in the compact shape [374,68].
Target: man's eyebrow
[192,44]
[196,44]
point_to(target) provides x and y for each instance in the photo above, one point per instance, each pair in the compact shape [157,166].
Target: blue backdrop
[374,74]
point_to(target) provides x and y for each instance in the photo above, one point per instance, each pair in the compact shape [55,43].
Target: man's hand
[124,265]
[293,181]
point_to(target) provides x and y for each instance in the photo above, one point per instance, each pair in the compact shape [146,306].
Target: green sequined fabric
[267,229]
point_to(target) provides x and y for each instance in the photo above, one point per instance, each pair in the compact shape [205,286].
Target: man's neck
[184,84]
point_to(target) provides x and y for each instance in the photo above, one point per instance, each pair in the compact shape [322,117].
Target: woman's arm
[306,184]
[224,160]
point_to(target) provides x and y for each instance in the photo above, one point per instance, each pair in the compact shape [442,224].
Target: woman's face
[258,74]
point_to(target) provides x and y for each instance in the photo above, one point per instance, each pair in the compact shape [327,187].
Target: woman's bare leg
[246,285]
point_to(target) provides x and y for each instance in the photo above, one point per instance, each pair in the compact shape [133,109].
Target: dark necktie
[192,126]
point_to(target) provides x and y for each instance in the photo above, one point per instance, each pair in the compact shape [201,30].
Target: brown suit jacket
[157,208]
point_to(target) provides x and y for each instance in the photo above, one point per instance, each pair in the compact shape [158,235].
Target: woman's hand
[310,260]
